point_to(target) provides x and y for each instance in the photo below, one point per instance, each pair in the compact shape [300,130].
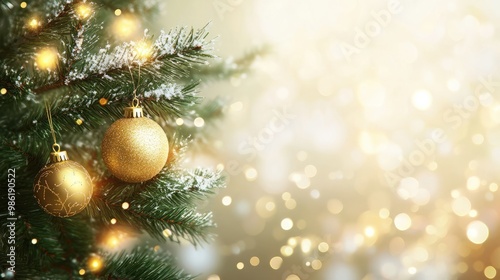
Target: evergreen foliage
[87,90]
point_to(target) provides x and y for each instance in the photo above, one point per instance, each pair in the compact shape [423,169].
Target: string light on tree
[83,10]
[23,5]
[33,23]
[3,91]
[143,50]
[125,27]
[46,59]
[118,12]
[95,263]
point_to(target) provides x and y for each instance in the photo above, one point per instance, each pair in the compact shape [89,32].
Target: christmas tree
[66,78]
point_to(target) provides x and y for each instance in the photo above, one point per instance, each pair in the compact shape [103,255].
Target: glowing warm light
[493,187]
[286,224]
[303,182]
[103,101]
[316,264]
[125,205]
[384,213]
[276,262]
[306,245]
[83,10]
[402,221]
[118,12]
[290,204]
[34,241]
[34,23]
[254,261]
[473,213]
[251,174]
[226,200]
[412,270]
[292,277]
[95,263]
[112,241]
[3,91]
[292,241]
[286,196]
[23,5]
[408,188]
[421,100]
[490,272]
[179,121]
[461,206]
[286,251]
[113,221]
[369,231]
[125,27]
[81,271]
[167,232]
[270,206]
[323,247]
[265,207]
[46,59]
[79,121]
[240,265]
[473,183]
[477,232]
[144,50]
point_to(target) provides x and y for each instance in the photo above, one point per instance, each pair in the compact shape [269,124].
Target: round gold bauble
[63,188]
[135,148]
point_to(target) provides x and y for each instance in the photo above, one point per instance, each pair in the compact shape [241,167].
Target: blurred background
[364,145]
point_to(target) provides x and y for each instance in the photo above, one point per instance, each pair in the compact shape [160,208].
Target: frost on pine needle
[164,92]
[199,179]
[189,46]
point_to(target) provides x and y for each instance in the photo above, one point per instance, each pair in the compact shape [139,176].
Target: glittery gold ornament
[63,188]
[135,148]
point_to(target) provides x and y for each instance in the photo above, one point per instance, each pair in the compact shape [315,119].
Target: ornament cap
[58,156]
[133,112]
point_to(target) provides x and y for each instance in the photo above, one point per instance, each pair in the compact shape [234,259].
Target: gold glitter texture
[135,149]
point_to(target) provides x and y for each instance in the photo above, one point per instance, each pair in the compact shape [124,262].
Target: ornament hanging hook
[56,148]
[135,102]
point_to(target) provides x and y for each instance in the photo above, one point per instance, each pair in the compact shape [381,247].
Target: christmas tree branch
[55,27]
[166,202]
[170,57]
[142,263]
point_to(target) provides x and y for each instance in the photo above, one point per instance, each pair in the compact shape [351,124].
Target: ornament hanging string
[135,101]
[55,146]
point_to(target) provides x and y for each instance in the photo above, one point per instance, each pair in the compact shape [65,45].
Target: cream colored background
[355,120]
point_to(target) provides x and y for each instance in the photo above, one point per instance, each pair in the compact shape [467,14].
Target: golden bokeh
[47,59]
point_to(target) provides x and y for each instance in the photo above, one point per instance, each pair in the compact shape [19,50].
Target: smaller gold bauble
[63,188]
[135,148]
